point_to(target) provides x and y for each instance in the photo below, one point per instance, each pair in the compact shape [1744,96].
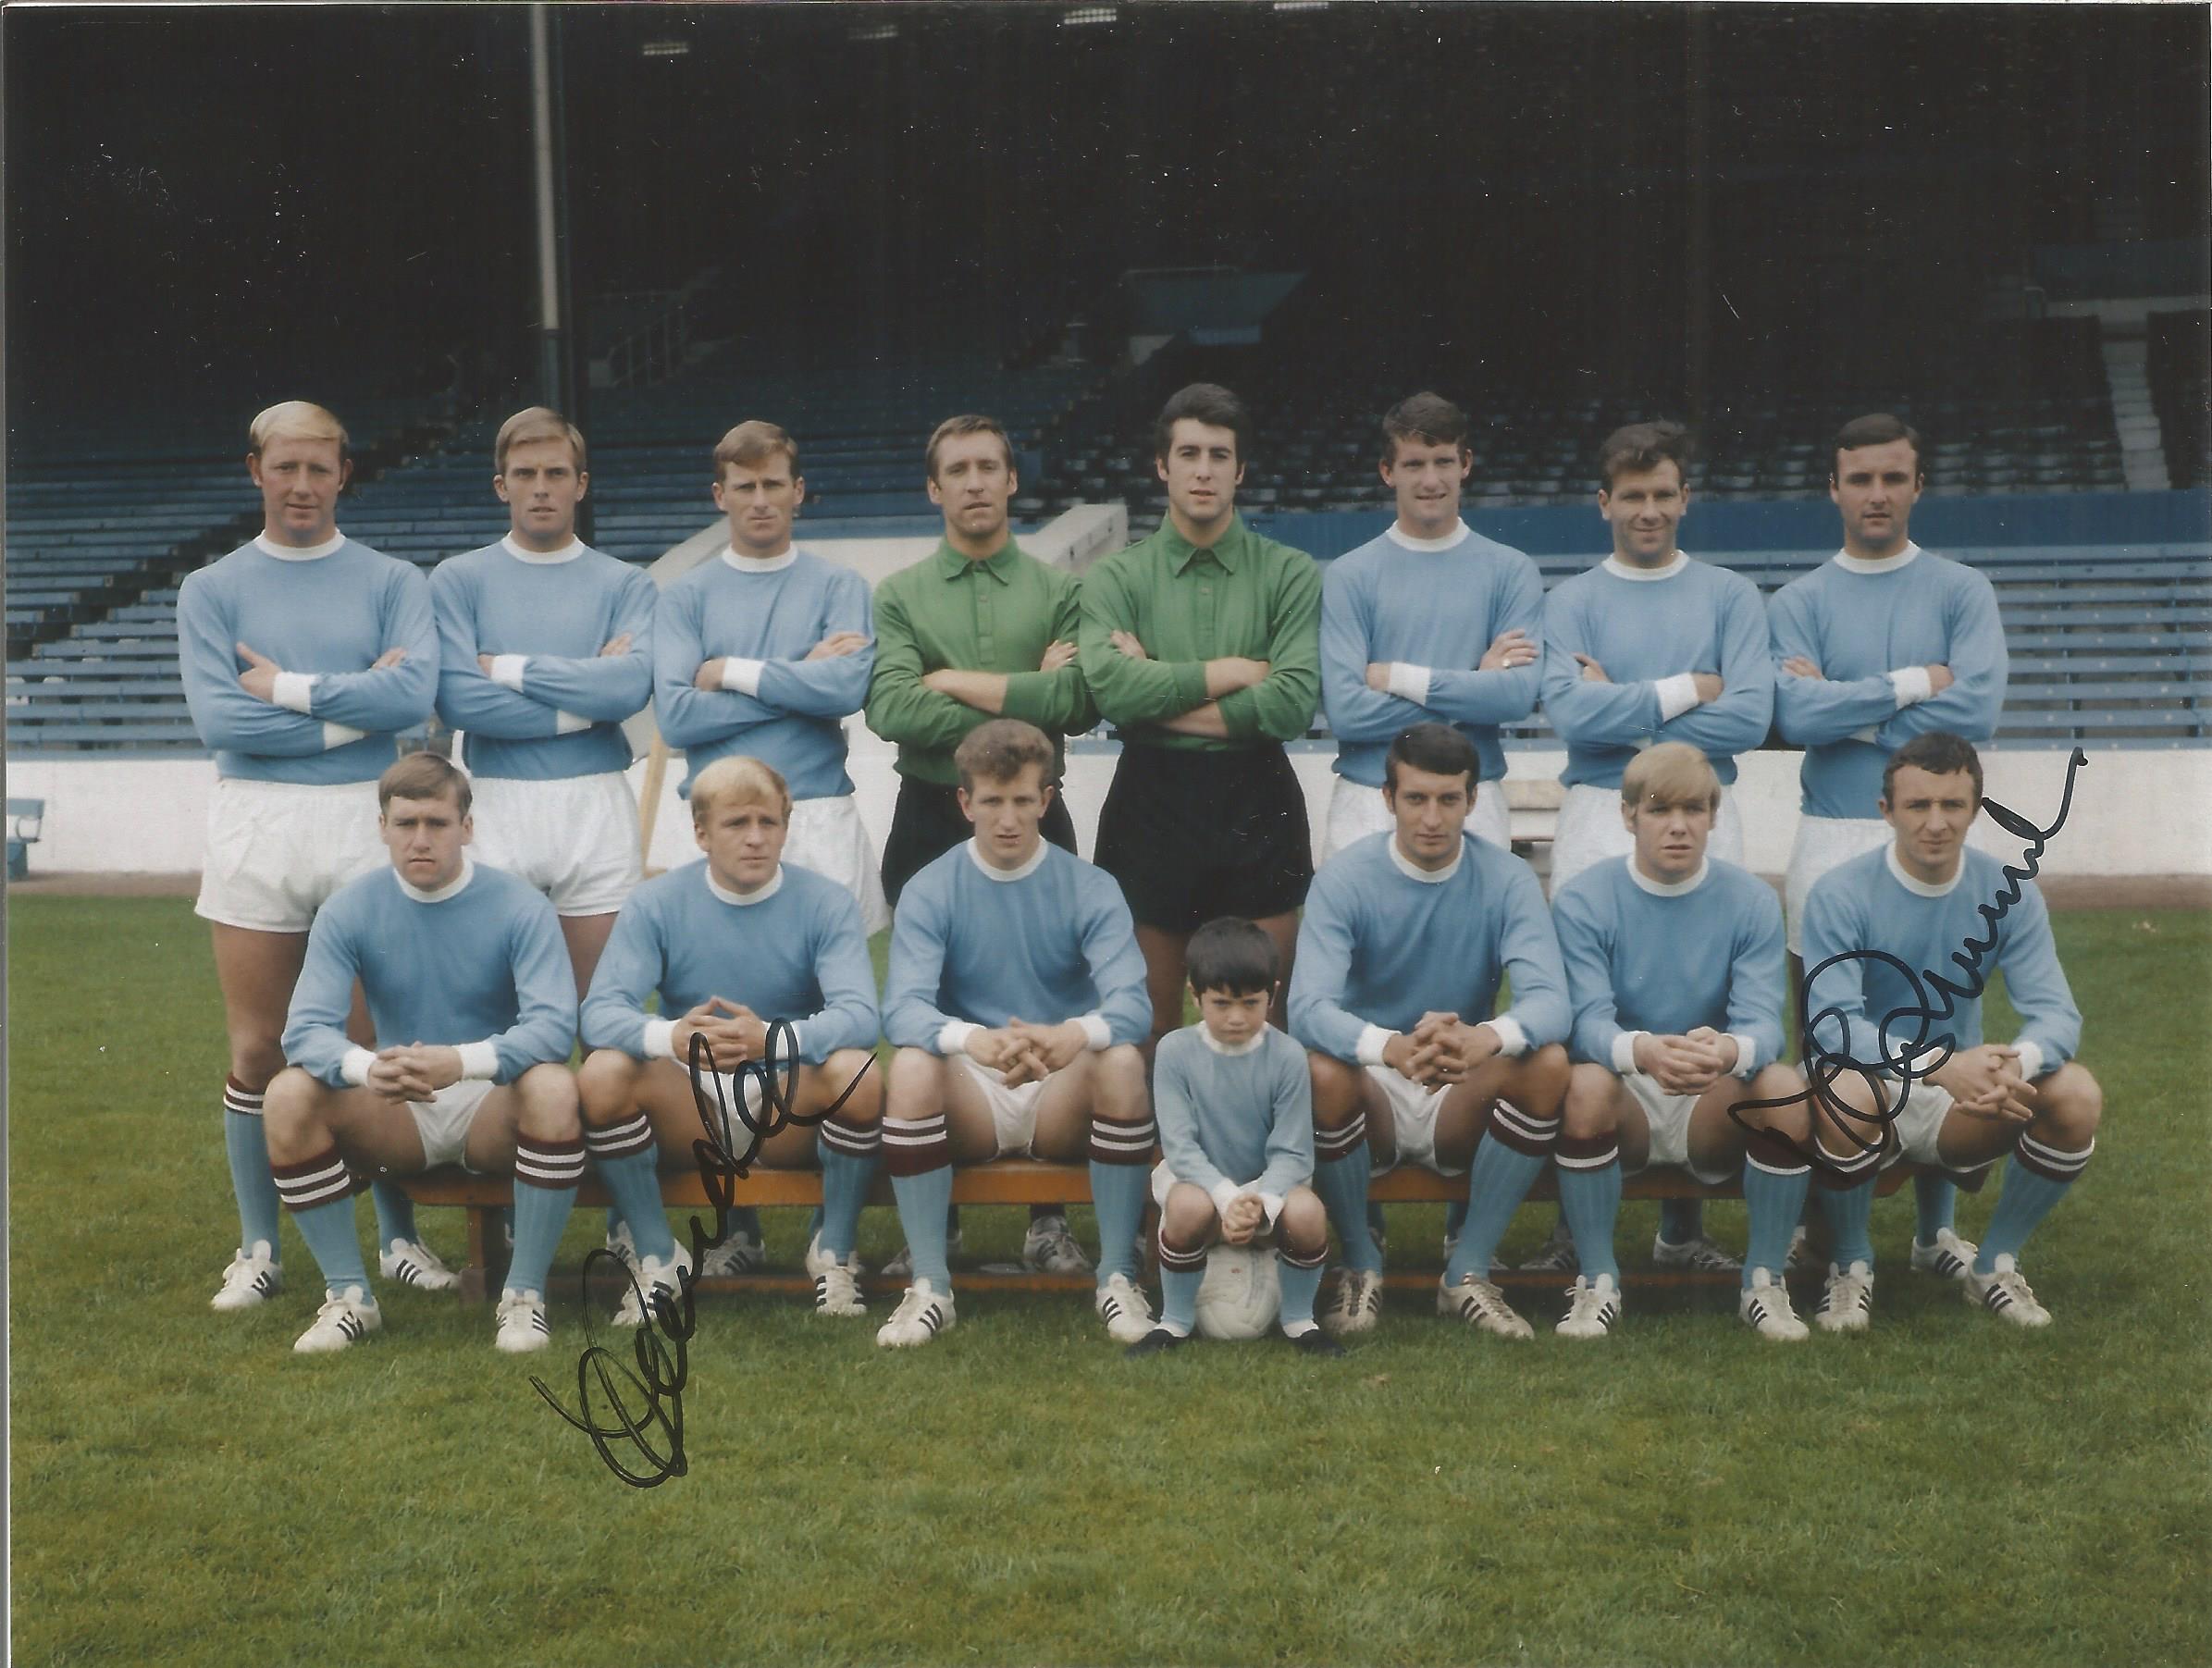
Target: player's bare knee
[1188,1220]
[1335,1089]
[548,1105]
[853,1073]
[1782,1108]
[607,1087]
[2073,1104]
[1117,1092]
[916,1088]
[1303,1225]
[1543,1080]
[292,1115]
[256,1060]
[1589,1109]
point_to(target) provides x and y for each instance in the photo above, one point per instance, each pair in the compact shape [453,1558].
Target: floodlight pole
[558,385]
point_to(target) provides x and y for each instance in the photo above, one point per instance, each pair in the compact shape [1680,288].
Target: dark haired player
[475,1007]
[979,629]
[1650,645]
[1921,899]
[1882,642]
[1236,1122]
[1201,644]
[1405,939]
[1428,622]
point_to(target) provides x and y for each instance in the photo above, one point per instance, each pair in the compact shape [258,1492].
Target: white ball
[1240,1295]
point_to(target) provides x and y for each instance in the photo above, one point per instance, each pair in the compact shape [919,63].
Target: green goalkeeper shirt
[998,614]
[1187,604]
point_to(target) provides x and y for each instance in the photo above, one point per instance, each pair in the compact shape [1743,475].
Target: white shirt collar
[292,553]
[1251,1044]
[1027,867]
[1920,888]
[745,899]
[1398,536]
[1428,877]
[759,564]
[1888,564]
[468,873]
[543,559]
[1666,888]
[1621,570]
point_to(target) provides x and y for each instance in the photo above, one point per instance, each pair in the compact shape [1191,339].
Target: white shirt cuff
[1225,1193]
[293,690]
[1912,684]
[338,735]
[1409,682]
[2030,1057]
[1745,1052]
[659,1039]
[741,675]
[507,671]
[1272,1203]
[479,1061]
[1676,694]
[1096,1034]
[568,723]
[1624,1053]
[1512,1042]
[354,1066]
[1867,735]
[952,1036]
[1373,1040]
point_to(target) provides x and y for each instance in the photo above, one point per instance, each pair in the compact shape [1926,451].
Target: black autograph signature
[641,1410]
[1920,1055]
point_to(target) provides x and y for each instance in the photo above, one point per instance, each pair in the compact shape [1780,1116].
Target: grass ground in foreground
[187,1491]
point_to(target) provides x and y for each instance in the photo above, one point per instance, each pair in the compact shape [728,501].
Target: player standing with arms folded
[763,650]
[1402,615]
[977,630]
[1923,900]
[1201,644]
[469,987]
[303,654]
[1882,642]
[1650,645]
[546,648]
[1405,939]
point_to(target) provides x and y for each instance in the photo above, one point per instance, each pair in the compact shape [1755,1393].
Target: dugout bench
[1010,1181]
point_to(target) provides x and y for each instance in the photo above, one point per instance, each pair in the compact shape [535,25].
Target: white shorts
[575,839]
[1821,844]
[1667,1116]
[1013,1106]
[1412,1118]
[1919,1123]
[828,837]
[725,1091]
[1590,831]
[1356,810]
[277,850]
[443,1120]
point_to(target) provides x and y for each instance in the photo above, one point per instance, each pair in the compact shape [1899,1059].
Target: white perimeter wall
[2135,811]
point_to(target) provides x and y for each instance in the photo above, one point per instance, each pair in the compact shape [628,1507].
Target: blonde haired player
[1674,966]
[303,654]
[733,944]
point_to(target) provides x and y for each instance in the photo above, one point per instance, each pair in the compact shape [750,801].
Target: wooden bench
[1007,1181]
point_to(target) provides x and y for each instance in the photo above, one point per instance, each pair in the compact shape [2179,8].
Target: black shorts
[927,823]
[1194,835]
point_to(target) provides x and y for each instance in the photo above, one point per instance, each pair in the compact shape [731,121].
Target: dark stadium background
[221,199]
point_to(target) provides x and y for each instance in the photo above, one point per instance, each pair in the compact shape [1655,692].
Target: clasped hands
[1688,1064]
[1026,1053]
[1440,1050]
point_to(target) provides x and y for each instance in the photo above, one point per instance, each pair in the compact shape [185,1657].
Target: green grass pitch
[1944,1490]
